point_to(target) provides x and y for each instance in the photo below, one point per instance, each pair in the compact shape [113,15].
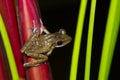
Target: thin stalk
[7,9]
[110,37]
[2,62]
[78,35]
[9,51]
[89,40]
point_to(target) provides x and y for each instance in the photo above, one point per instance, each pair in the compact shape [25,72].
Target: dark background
[58,14]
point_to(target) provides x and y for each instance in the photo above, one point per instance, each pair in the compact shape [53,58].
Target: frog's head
[62,38]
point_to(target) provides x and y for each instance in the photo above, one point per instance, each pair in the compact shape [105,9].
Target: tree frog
[41,46]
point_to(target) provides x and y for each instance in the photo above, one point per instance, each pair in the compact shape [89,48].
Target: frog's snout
[68,40]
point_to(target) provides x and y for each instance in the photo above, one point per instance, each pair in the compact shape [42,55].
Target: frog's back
[42,44]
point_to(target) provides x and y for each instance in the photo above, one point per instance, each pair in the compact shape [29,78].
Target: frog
[40,46]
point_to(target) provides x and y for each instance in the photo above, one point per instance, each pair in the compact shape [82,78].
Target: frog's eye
[59,43]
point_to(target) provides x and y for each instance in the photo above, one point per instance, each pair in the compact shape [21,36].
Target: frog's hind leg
[40,59]
[34,63]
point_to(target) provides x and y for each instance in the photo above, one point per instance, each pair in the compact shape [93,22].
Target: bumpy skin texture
[41,46]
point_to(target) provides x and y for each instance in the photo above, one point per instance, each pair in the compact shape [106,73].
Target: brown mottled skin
[41,46]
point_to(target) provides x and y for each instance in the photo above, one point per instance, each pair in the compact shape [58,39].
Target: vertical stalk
[110,37]
[28,13]
[9,52]
[2,67]
[89,40]
[8,14]
[78,35]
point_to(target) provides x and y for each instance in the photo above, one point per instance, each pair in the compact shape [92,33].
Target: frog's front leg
[44,28]
[40,59]
[29,42]
[50,51]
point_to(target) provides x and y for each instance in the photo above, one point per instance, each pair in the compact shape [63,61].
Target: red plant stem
[2,72]
[8,13]
[5,73]
[28,13]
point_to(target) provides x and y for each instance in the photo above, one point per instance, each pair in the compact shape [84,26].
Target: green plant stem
[89,41]
[9,52]
[110,37]
[76,49]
